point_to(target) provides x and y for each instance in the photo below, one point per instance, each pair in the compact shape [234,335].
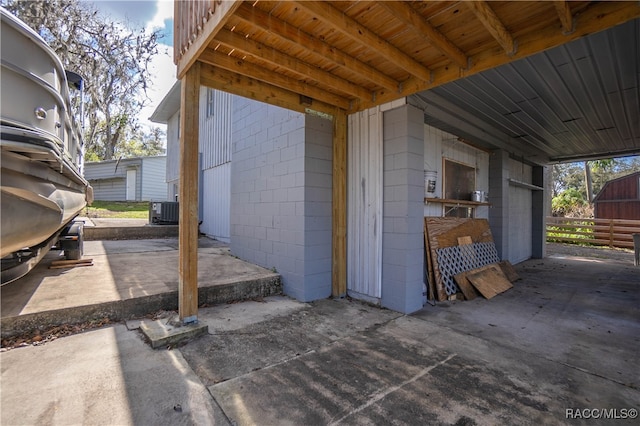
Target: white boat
[42,186]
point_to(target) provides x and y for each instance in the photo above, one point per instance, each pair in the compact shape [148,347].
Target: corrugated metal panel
[579,100]
[215,127]
[364,262]
[153,174]
[216,189]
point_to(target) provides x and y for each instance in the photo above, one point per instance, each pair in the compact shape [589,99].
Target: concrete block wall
[402,229]
[281,195]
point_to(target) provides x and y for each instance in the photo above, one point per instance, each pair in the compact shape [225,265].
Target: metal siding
[579,100]
[216,130]
[520,214]
[215,147]
[216,205]
[109,189]
[364,258]
[173,148]
[153,174]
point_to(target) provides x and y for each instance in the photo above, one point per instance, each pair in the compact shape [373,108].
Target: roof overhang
[350,56]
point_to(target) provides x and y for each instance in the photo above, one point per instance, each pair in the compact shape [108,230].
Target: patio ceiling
[577,101]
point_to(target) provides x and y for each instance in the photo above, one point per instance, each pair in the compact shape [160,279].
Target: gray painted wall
[403,213]
[281,195]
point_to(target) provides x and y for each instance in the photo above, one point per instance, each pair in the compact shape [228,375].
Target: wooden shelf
[455,202]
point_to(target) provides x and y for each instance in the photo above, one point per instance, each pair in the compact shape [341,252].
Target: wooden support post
[188,236]
[339,237]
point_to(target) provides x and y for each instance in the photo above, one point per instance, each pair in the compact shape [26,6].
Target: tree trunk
[588,182]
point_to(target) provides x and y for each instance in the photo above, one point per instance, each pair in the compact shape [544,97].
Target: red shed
[619,199]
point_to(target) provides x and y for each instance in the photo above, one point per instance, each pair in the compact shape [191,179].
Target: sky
[153,15]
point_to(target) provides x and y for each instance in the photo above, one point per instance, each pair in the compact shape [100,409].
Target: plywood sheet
[446,230]
[490,281]
[441,232]
[465,285]
[509,271]
[466,240]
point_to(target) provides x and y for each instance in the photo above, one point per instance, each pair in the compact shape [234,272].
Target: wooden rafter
[282,60]
[365,37]
[564,14]
[231,82]
[412,18]
[312,45]
[492,23]
[260,73]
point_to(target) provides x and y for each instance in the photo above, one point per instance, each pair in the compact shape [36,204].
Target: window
[459,180]
[210,102]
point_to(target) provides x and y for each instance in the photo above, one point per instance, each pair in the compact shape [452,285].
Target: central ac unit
[163,212]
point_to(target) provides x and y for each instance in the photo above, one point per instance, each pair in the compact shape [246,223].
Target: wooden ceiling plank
[279,59]
[362,35]
[597,17]
[258,73]
[412,18]
[564,14]
[492,23]
[231,82]
[288,33]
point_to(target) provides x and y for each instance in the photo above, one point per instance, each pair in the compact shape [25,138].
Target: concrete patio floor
[565,338]
[128,278]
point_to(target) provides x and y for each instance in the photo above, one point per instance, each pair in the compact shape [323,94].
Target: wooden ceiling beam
[282,60]
[413,19]
[564,14]
[289,33]
[492,23]
[256,72]
[365,37]
[231,82]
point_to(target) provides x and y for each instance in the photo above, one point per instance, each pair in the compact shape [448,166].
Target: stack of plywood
[462,259]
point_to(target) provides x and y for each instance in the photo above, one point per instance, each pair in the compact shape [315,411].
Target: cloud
[163,76]
[163,20]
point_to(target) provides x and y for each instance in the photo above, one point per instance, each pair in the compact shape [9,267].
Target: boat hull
[41,184]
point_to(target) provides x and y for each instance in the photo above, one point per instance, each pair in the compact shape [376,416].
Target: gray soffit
[575,102]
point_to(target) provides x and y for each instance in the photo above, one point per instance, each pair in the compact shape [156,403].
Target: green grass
[118,209]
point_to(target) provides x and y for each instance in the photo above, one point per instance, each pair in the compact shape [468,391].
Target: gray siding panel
[173,148]
[154,185]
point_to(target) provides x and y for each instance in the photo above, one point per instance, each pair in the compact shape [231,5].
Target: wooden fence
[604,232]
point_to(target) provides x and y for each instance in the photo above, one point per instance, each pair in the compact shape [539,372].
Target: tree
[142,144]
[112,59]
